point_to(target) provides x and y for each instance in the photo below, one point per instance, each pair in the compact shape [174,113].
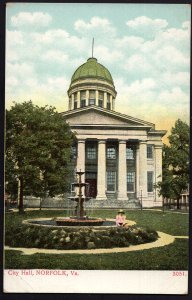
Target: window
[83,103]
[150,181]
[129,153]
[100,103]
[111,152]
[111,181]
[91,97]
[74,152]
[75,96]
[108,101]
[149,151]
[101,95]
[83,95]
[91,101]
[91,175]
[108,105]
[91,152]
[130,181]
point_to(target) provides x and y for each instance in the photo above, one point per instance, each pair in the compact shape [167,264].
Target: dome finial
[92,47]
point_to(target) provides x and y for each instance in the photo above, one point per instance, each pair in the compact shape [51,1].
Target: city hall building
[120,155]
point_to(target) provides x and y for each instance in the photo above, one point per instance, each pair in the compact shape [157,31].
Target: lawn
[171,257]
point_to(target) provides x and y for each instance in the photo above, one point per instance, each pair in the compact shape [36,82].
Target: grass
[171,257]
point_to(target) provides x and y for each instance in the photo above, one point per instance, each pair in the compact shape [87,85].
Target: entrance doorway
[91,179]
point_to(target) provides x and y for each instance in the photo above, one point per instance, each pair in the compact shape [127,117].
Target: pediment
[99,116]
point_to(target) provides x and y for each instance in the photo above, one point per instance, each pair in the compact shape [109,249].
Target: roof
[109,113]
[92,69]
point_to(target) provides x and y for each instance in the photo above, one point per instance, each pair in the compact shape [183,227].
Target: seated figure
[120,218]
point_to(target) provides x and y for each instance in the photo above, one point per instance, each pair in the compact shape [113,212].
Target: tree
[38,151]
[175,176]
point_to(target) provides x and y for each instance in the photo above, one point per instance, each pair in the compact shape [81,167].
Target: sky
[146,48]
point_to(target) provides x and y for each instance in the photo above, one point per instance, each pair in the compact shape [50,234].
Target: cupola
[92,84]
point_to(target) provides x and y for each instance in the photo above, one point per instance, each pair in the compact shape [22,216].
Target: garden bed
[30,236]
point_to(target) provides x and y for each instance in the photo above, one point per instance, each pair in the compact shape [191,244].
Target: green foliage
[47,237]
[38,150]
[171,257]
[175,162]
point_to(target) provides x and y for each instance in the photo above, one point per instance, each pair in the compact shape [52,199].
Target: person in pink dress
[120,218]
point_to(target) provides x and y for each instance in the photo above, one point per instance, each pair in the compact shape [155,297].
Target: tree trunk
[178,204]
[163,204]
[20,196]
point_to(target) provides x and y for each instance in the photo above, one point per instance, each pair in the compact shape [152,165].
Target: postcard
[97,148]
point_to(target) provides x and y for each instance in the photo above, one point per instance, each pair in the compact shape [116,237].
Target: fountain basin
[79,222]
[51,222]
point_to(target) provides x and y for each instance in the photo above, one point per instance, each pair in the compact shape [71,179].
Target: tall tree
[176,163]
[38,151]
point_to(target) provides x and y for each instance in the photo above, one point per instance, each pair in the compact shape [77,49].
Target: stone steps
[92,203]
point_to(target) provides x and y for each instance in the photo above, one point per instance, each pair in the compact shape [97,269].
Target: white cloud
[148,25]
[138,63]
[11,82]
[170,57]
[50,35]
[55,56]
[23,19]
[186,24]
[129,42]
[96,26]
[20,71]
[94,23]
[175,79]
[14,37]
[175,97]
[154,73]
[107,55]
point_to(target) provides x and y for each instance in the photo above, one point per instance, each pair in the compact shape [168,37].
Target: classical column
[73,102]
[97,98]
[81,157]
[122,172]
[78,99]
[137,172]
[69,103]
[101,171]
[158,169]
[111,102]
[105,100]
[143,170]
[87,97]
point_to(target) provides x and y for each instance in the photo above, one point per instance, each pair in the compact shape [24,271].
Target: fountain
[78,231]
[80,218]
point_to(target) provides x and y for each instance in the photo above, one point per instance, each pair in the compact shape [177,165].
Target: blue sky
[144,46]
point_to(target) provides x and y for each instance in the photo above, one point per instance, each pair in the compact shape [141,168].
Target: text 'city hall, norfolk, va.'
[120,155]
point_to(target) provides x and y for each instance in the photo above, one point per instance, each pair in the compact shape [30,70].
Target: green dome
[92,69]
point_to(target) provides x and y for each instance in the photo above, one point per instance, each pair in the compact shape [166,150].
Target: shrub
[50,238]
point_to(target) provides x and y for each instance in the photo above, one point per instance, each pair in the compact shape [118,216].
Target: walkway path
[163,240]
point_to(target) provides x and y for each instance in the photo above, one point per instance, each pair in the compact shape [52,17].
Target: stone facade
[128,151]
[120,155]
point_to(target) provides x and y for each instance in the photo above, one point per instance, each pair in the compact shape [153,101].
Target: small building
[120,155]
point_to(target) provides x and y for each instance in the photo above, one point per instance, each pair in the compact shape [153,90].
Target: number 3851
[178,273]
